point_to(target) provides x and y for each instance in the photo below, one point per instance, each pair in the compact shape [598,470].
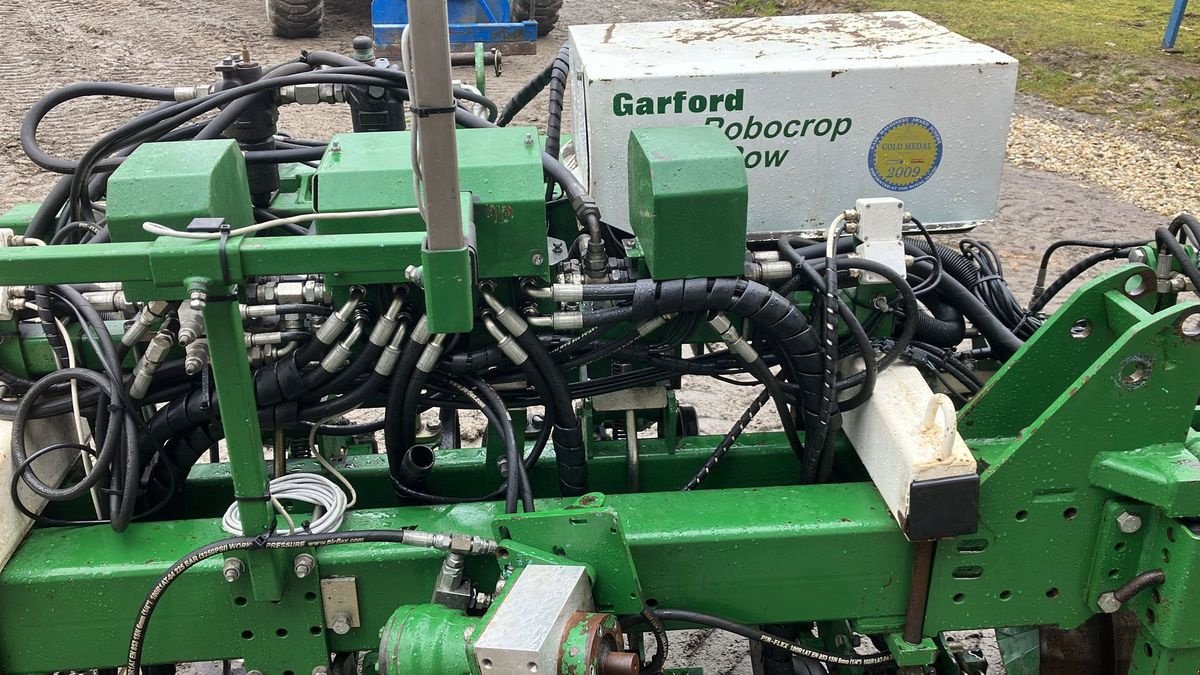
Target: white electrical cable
[324,494]
[316,453]
[81,436]
[164,231]
[406,57]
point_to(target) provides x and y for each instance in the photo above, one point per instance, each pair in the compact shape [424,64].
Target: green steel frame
[1090,420]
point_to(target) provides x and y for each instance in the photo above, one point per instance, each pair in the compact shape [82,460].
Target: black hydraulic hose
[1002,340]
[56,340]
[346,402]
[350,429]
[1072,273]
[518,479]
[865,381]
[301,308]
[1186,220]
[958,265]
[137,640]
[560,69]
[943,327]
[109,447]
[525,95]
[765,638]
[569,451]
[41,108]
[397,429]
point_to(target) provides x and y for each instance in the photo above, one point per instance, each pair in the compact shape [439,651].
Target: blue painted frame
[1174,23]
[471,21]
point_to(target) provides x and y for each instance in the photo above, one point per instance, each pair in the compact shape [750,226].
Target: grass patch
[1095,57]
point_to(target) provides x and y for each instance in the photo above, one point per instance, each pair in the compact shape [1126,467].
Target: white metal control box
[826,109]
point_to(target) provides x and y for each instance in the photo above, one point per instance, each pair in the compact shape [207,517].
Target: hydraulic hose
[559,71]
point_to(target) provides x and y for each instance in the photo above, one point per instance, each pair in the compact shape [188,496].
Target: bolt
[413,274]
[303,565]
[1138,255]
[528,139]
[1108,603]
[254,672]
[320,670]
[1129,522]
[232,569]
[537,259]
[341,623]
[335,146]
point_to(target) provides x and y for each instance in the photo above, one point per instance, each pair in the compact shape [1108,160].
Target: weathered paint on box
[825,109]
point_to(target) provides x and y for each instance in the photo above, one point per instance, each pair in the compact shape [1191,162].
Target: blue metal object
[1174,23]
[487,21]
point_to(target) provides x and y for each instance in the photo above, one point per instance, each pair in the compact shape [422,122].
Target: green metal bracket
[1117,553]
[448,280]
[1167,476]
[909,655]
[588,532]
[1036,431]
[284,635]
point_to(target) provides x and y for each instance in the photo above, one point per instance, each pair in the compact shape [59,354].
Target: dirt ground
[47,43]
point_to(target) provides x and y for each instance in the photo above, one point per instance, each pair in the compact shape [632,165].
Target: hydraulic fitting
[391,353]
[191,325]
[196,356]
[150,314]
[153,357]
[433,352]
[736,343]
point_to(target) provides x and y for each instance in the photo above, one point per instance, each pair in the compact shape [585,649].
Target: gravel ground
[1069,175]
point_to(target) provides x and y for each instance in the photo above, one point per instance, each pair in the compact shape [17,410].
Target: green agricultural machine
[238,368]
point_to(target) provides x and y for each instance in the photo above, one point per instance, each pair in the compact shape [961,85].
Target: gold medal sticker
[905,153]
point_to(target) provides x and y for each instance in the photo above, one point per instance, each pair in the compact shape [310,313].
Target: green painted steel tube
[756,555]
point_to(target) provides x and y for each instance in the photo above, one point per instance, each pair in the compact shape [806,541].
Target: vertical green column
[239,417]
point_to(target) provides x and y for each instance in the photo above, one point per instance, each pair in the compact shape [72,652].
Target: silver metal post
[430,35]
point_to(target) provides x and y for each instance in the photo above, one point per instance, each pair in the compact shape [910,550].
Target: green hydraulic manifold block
[501,168]
[172,183]
[687,202]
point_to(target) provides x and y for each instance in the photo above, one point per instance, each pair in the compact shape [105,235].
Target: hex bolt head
[320,670]
[232,570]
[341,623]
[303,565]
[1137,255]
[1108,603]
[537,259]
[1129,522]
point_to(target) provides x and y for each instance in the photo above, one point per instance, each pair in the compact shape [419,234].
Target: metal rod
[918,591]
[633,468]
[430,37]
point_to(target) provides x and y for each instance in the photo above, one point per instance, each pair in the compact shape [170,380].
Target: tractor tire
[295,18]
[546,13]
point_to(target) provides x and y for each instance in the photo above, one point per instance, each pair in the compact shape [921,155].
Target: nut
[1137,255]
[1129,522]
[303,565]
[232,570]
[537,259]
[1108,603]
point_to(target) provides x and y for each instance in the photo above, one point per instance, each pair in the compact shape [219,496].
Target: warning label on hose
[905,154]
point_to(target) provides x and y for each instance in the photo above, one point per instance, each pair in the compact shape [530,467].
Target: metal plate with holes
[339,595]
